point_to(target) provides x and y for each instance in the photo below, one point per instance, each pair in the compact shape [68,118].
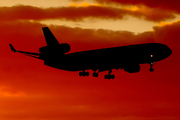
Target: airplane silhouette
[126,57]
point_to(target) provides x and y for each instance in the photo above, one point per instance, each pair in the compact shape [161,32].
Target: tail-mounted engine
[54,50]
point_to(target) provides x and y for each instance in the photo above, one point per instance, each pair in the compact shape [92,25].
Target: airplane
[129,58]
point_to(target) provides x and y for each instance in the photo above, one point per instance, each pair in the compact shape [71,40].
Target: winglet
[12,48]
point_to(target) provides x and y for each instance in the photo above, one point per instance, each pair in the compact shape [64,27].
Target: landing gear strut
[83,73]
[151,67]
[109,76]
[95,74]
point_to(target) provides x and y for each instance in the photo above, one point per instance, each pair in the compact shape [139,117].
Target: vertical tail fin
[50,39]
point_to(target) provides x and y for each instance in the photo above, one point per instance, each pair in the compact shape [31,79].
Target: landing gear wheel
[95,74]
[151,69]
[109,77]
[83,74]
[87,73]
[112,76]
[151,66]
[80,73]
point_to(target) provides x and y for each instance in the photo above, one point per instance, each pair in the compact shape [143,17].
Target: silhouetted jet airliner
[125,57]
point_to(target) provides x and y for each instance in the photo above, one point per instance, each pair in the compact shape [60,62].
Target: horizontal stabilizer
[12,48]
[50,39]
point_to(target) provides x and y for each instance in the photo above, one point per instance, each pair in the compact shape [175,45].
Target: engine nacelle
[61,48]
[64,47]
[132,68]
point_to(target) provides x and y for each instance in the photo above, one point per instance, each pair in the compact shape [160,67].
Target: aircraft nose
[168,51]
[163,51]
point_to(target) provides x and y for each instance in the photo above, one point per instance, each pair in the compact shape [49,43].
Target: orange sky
[29,90]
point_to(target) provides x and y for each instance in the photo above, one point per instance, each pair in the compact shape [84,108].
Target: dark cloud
[172,5]
[79,13]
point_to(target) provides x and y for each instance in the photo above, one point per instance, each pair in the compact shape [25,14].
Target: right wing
[31,54]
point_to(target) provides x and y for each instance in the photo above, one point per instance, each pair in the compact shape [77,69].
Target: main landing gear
[109,76]
[95,74]
[83,73]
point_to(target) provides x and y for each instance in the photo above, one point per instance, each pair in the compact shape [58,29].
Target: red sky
[29,90]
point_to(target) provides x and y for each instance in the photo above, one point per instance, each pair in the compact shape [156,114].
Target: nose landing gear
[151,67]
[151,64]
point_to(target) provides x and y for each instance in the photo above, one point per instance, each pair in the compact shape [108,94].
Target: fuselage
[109,58]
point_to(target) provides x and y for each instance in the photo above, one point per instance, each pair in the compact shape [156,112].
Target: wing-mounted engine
[132,68]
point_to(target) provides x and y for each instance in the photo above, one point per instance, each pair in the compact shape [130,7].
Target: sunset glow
[29,90]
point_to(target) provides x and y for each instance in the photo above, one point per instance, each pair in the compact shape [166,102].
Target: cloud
[168,32]
[7,92]
[79,13]
[84,4]
[152,14]
[165,4]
